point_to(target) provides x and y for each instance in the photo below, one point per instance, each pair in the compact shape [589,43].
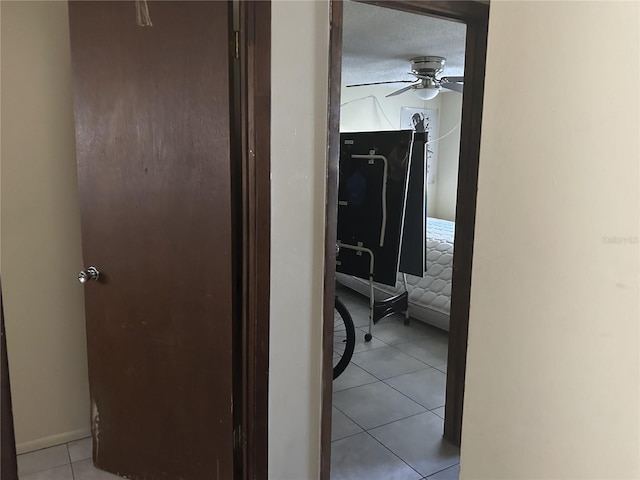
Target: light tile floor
[388,405]
[71,461]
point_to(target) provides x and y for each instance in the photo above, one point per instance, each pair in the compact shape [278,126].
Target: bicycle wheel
[344,338]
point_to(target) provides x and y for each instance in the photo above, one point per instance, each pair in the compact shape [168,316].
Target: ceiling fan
[426,85]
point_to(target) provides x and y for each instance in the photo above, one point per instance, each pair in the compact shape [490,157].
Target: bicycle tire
[344,334]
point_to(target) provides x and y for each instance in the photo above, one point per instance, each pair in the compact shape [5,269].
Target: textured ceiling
[379,42]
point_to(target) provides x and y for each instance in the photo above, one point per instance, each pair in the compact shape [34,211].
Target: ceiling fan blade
[452,79]
[456,87]
[402,90]
[379,83]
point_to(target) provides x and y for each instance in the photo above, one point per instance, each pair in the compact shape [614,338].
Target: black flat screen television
[381,204]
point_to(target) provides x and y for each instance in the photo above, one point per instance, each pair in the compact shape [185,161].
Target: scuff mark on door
[95,429]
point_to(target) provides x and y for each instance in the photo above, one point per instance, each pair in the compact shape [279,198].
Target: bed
[429,295]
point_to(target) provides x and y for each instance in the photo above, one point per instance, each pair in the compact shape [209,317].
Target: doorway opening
[390,400]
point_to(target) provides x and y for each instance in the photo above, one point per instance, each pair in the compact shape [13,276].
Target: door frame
[254,122]
[476,17]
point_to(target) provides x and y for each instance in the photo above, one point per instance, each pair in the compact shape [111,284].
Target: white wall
[300,40]
[553,358]
[448,156]
[361,112]
[41,249]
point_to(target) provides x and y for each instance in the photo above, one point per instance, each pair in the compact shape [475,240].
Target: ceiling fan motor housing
[429,66]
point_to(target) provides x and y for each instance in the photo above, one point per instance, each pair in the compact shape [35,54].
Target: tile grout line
[426,366]
[394,421]
[356,386]
[394,453]
[359,426]
[412,356]
[412,399]
[440,471]
[363,429]
[377,426]
[367,371]
[385,344]
[394,376]
[432,411]
[347,436]
[73,475]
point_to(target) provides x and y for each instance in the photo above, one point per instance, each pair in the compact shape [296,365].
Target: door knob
[90,273]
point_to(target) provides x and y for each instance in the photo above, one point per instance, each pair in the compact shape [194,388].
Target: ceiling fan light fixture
[427,93]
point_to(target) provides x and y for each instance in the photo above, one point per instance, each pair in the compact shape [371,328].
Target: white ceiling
[379,42]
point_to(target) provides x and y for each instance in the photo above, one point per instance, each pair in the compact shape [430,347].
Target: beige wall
[448,156]
[299,124]
[553,378]
[40,231]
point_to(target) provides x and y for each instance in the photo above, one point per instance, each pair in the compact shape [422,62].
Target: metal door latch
[90,273]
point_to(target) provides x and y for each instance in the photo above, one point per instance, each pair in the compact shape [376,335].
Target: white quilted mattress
[429,296]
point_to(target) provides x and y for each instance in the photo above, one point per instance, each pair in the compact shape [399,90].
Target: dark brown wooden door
[152,115]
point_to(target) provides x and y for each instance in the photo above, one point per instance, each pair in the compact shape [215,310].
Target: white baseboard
[52,441]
